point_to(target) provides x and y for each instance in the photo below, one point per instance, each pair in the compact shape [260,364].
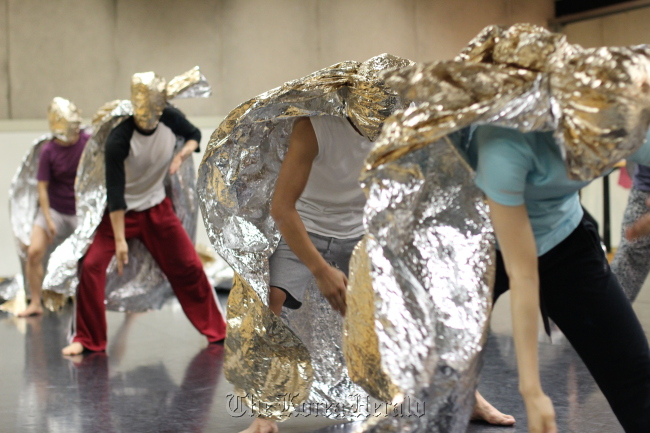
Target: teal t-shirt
[515,168]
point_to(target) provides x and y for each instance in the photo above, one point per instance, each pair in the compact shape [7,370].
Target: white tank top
[332,203]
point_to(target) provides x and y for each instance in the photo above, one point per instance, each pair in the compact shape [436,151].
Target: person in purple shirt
[57,168]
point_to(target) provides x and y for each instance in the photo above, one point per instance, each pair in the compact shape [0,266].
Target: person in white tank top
[317,206]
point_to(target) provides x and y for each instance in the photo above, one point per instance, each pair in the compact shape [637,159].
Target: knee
[35,255]
[93,264]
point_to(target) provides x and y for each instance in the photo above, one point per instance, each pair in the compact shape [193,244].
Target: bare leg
[261,425]
[484,411]
[35,253]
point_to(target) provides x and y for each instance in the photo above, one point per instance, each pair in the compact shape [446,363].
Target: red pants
[161,232]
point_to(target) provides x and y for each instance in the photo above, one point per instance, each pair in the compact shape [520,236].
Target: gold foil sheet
[142,286]
[428,259]
[595,100]
[64,119]
[191,84]
[235,184]
[148,99]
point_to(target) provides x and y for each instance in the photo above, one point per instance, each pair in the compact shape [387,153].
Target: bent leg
[91,311]
[170,246]
[34,270]
[585,300]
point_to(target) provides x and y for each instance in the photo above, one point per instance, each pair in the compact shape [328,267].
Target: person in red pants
[139,154]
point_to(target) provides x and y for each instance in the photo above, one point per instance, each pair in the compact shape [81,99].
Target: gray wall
[86,50]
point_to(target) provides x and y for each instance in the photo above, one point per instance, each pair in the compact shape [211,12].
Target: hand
[333,283]
[121,254]
[640,227]
[52,232]
[541,415]
[176,163]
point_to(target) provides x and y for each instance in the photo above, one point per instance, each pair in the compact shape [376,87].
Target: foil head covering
[143,286]
[148,98]
[367,89]
[64,119]
[596,100]
[299,355]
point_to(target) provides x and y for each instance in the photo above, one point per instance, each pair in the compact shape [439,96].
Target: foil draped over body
[143,285]
[595,100]
[424,275]
[298,355]
[426,266]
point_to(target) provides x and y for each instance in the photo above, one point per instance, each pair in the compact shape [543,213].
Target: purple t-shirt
[57,165]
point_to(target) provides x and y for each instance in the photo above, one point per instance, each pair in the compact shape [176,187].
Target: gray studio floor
[158,376]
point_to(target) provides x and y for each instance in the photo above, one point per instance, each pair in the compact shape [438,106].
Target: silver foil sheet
[595,100]
[420,285]
[142,286]
[268,358]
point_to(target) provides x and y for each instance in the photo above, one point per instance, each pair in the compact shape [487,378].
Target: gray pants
[288,273]
[631,263]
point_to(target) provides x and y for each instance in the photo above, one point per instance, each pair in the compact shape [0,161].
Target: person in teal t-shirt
[551,258]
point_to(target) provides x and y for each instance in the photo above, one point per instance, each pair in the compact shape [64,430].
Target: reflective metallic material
[236,181]
[429,245]
[596,100]
[148,97]
[423,277]
[150,93]
[64,119]
[143,285]
[191,84]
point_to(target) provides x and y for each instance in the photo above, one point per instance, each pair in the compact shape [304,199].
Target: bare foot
[261,425]
[484,411]
[33,309]
[73,349]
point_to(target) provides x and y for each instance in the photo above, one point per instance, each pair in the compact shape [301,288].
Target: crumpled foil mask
[143,285]
[595,100]
[300,355]
[64,119]
[148,97]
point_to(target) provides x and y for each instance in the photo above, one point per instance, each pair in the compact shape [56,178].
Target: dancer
[550,256]
[56,218]
[139,154]
[631,262]
[318,208]
[575,114]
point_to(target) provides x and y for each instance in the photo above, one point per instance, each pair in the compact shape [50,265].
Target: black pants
[581,295]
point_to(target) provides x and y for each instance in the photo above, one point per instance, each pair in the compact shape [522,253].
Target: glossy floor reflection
[159,375]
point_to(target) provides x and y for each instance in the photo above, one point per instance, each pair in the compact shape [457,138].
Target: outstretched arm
[294,173]
[517,243]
